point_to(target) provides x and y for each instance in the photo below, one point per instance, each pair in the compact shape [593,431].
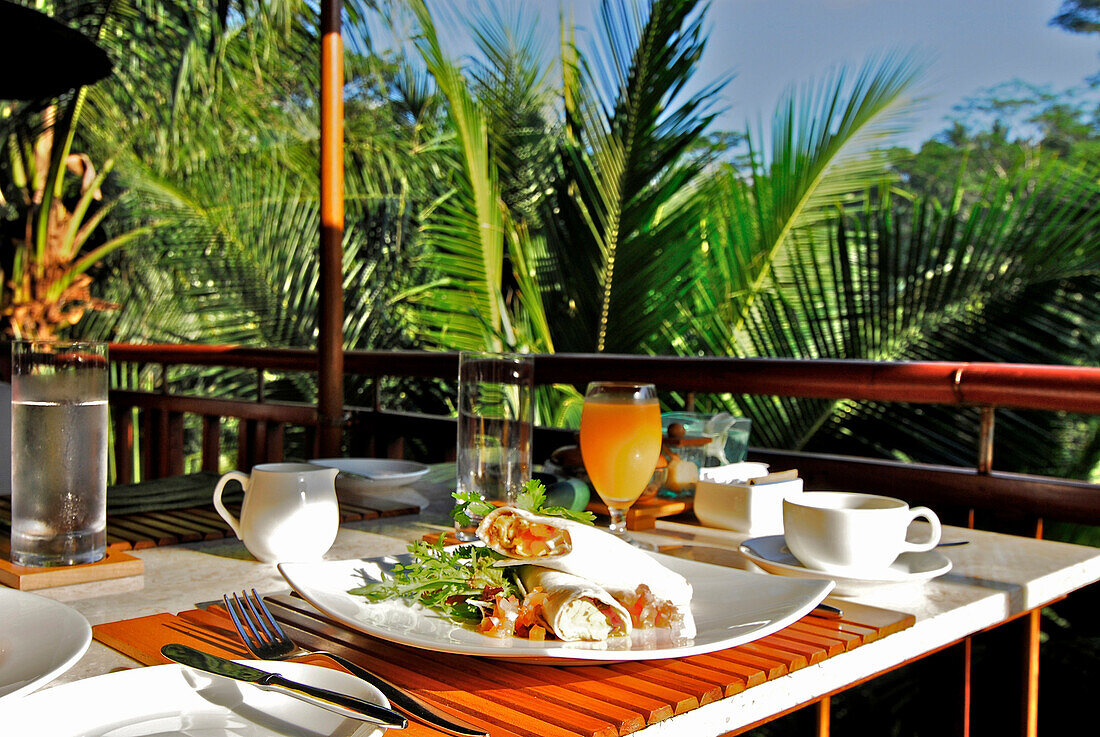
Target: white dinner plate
[172,700]
[730,608]
[39,640]
[771,554]
[383,473]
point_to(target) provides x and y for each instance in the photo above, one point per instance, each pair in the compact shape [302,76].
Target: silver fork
[266,640]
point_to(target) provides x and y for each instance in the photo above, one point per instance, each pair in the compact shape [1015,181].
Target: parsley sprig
[445,580]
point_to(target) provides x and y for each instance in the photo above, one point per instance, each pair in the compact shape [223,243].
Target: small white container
[744,497]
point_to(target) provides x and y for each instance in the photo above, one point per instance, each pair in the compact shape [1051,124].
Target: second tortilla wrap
[576,609]
[594,555]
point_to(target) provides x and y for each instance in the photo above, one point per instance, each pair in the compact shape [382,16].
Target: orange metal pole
[330,344]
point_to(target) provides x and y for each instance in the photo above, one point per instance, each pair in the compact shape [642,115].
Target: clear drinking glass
[495,420]
[59,453]
[620,443]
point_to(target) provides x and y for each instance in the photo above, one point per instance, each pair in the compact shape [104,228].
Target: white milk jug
[290,512]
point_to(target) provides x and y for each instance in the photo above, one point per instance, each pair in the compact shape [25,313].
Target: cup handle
[933,539]
[232,521]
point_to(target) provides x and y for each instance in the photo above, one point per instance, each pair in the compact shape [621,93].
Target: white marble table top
[993,578]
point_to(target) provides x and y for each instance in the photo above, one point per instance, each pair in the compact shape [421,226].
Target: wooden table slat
[749,675]
[848,640]
[827,645]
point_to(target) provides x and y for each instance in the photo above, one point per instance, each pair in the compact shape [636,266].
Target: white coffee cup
[850,533]
[289,513]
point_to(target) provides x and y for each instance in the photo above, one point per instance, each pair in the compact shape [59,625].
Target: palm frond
[466,230]
[1012,278]
[626,161]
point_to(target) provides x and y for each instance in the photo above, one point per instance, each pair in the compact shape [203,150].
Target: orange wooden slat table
[533,700]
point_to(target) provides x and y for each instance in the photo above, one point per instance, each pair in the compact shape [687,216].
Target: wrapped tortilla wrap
[582,550]
[576,609]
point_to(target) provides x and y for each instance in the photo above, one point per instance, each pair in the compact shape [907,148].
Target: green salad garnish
[448,581]
[462,582]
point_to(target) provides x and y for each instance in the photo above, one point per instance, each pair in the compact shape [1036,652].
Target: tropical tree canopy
[578,199]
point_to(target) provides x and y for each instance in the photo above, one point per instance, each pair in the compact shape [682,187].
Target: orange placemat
[515,700]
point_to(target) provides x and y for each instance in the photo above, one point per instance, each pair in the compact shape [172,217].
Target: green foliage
[1078,16]
[624,214]
[1007,280]
[502,205]
[54,198]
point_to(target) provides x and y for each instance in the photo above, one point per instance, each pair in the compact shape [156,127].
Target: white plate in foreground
[373,473]
[173,699]
[730,608]
[771,554]
[39,640]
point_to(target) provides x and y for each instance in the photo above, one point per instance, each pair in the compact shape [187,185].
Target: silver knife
[402,700]
[348,706]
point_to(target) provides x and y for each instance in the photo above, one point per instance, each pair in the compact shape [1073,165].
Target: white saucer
[383,473]
[771,554]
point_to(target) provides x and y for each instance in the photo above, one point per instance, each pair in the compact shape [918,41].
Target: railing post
[124,444]
[330,344]
[985,441]
[822,713]
[211,444]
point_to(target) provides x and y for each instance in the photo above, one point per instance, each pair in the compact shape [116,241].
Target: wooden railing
[377,430]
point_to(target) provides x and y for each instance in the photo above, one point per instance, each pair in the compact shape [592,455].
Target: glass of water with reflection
[59,452]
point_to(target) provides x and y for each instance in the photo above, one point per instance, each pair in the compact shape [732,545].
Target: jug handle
[232,521]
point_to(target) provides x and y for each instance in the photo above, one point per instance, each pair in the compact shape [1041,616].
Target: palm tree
[215,133]
[220,141]
[55,240]
[625,224]
[1011,278]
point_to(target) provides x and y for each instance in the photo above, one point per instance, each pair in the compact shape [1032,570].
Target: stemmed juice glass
[620,443]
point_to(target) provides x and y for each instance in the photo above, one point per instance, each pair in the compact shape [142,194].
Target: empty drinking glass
[495,420]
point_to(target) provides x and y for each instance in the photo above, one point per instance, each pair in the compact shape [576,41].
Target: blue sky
[770,45]
[969,45]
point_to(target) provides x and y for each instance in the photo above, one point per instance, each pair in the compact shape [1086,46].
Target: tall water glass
[59,453]
[495,420]
[620,444]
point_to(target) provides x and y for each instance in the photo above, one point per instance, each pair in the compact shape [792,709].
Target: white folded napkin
[733,473]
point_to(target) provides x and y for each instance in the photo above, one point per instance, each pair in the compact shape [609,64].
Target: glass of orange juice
[620,443]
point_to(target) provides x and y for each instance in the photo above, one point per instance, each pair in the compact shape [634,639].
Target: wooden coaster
[117,564]
[644,513]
